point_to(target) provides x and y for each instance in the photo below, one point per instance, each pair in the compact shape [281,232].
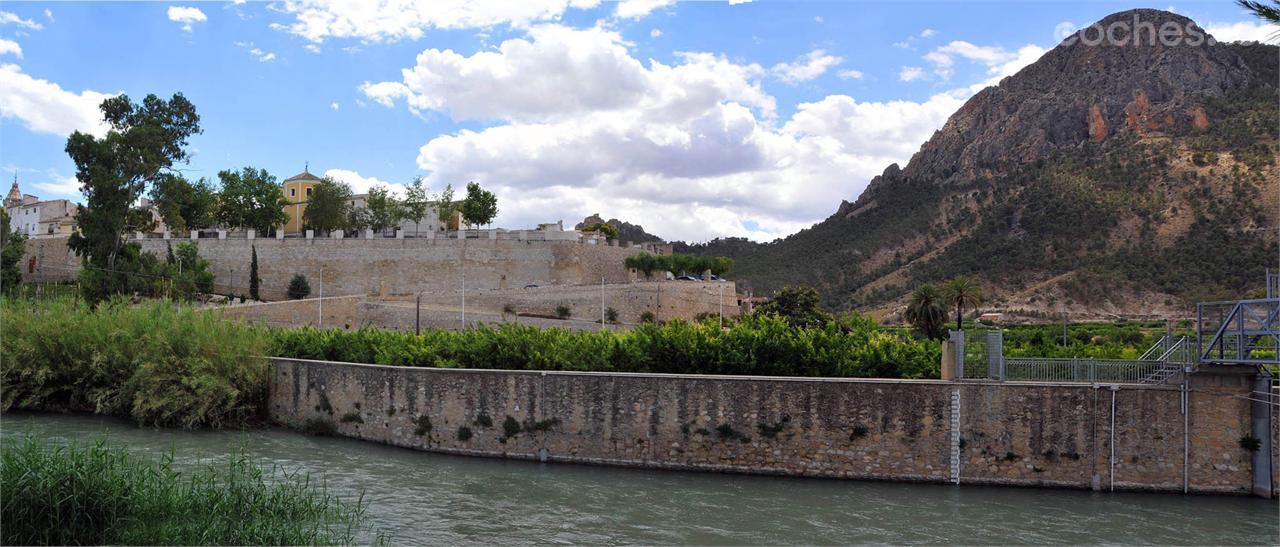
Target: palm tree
[962,292]
[926,311]
[1270,14]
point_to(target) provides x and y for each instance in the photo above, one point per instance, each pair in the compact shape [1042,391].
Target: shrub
[299,288]
[647,317]
[611,315]
[95,495]
[464,433]
[563,312]
[156,363]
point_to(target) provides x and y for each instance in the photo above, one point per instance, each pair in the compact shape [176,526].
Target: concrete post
[222,234]
[368,233]
[249,234]
[280,234]
[399,233]
[948,360]
[168,234]
[493,234]
[139,235]
[1260,420]
[336,234]
[311,234]
[462,234]
[195,234]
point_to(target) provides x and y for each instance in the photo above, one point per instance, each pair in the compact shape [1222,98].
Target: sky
[696,120]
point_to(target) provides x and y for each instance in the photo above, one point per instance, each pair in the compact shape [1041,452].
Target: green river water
[421,498]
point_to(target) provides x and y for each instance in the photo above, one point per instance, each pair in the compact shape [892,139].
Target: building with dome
[297,191]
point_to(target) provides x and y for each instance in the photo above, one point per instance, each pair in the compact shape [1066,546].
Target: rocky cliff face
[1143,166]
[626,230]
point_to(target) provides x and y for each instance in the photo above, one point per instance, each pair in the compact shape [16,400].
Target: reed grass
[95,494]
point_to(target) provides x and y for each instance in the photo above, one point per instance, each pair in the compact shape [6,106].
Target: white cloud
[361,185]
[257,53]
[818,19]
[45,107]
[187,16]
[1062,30]
[393,20]
[59,186]
[910,73]
[558,71]
[943,57]
[850,74]
[806,67]
[10,47]
[691,150]
[335,106]
[7,18]
[48,15]
[636,9]
[655,33]
[1244,31]
[927,33]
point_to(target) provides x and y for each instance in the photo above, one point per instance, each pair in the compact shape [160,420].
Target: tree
[480,205]
[12,245]
[357,218]
[445,206]
[193,276]
[384,209]
[602,228]
[298,287]
[142,144]
[183,205]
[254,280]
[961,292]
[415,203]
[927,312]
[251,198]
[327,210]
[798,304]
[1260,9]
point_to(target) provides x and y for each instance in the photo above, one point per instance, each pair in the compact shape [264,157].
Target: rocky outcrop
[626,230]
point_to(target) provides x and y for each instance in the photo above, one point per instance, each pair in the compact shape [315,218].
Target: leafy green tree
[193,276]
[12,245]
[445,206]
[480,206]
[962,292]
[415,202]
[251,198]
[329,206]
[385,211]
[142,144]
[357,218]
[184,205]
[254,281]
[798,304]
[299,288]
[602,228]
[927,312]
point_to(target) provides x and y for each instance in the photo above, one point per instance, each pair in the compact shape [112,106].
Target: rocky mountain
[626,230]
[1110,179]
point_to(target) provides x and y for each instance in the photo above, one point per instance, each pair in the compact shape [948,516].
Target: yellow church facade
[297,192]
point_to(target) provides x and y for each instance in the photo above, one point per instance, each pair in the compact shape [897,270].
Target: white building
[34,218]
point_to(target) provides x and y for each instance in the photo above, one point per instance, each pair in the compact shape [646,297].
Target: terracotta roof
[304,175]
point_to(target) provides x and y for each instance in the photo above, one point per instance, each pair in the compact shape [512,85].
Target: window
[308,192]
[293,192]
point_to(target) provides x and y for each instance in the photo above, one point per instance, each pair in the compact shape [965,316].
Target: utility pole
[321,300]
[417,315]
[602,327]
[721,305]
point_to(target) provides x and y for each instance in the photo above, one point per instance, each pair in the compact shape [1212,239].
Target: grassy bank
[96,495]
[159,363]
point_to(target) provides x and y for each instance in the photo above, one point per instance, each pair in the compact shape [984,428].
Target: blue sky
[696,120]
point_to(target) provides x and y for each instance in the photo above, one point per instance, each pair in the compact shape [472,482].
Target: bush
[611,315]
[299,288]
[563,312]
[95,495]
[155,363]
[849,346]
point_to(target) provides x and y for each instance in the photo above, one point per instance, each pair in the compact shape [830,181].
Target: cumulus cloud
[1244,31]
[45,107]
[910,73]
[636,9]
[48,15]
[943,57]
[655,33]
[10,18]
[806,67]
[360,184]
[928,33]
[10,47]
[58,186]
[393,20]
[334,106]
[690,150]
[850,74]
[1062,30]
[187,16]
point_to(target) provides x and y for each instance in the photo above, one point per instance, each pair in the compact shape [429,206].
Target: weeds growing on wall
[157,363]
[96,494]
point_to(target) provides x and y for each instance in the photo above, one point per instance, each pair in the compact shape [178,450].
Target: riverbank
[1124,437]
[437,499]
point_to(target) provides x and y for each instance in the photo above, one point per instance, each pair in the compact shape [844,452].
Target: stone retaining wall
[1026,434]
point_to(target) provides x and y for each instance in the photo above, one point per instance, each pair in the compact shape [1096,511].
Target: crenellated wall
[1025,434]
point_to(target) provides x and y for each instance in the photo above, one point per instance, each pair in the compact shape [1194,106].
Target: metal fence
[1084,370]
[980,355]
[1239,332]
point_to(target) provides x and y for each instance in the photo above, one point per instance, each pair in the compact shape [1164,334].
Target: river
[421,498]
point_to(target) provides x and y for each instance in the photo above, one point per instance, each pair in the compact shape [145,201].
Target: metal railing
[1243,332]
[1085,370]
[982,357]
